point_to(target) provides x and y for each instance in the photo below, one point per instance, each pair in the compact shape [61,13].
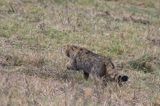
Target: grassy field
[32,63]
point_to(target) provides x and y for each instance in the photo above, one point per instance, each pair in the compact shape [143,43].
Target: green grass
[141,63]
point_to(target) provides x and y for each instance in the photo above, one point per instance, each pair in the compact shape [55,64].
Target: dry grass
[32,64]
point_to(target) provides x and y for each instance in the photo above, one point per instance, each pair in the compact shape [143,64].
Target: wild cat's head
[70,50]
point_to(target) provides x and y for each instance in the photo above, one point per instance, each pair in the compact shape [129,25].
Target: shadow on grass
[145,63]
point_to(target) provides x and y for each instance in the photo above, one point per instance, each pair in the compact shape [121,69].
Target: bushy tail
[122,78]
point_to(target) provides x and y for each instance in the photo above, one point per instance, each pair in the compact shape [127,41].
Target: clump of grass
[116,48]
[2,2]
[80,2]
[55,34]
[35,59]
[13,60]
[143,63]
[32,59]
[60,1]
[8,27]
[86,2]
[34,14]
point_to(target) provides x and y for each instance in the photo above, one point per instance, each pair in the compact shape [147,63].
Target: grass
[143,63]
[32,63]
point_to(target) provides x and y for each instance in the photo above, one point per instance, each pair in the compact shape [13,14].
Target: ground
[32,63]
